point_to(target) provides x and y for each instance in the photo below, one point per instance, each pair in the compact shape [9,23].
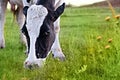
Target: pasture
[90,43]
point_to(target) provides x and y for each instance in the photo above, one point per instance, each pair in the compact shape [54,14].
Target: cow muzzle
[32,64]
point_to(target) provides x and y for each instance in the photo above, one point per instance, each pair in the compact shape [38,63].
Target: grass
[84,40]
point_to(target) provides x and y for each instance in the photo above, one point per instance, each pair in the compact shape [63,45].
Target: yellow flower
[107,46]
[109,40]
[107,18]
[99,37]
[117,16]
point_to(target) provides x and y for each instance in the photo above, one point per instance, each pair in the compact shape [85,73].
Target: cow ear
[25,10]
[58,12]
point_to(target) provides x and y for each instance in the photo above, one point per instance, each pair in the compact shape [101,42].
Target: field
[90,43]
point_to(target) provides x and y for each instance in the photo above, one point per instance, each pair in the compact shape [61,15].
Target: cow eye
[47,33]
[26,25]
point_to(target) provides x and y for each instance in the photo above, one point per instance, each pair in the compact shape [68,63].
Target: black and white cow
[18,12]
[56,49]
[41,30]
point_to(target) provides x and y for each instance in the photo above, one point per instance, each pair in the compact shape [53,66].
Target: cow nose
[29,65]
[26,63]
[32,64]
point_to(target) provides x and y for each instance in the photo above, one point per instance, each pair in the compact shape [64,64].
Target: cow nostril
[26,63]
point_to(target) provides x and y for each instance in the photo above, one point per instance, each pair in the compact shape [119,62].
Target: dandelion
[117,16]
[99,37]
[107,18]
[109,40]
[107,46]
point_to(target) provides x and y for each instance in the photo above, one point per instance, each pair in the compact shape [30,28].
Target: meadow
[90,43]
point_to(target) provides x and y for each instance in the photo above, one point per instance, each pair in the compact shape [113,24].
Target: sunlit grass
[90,43]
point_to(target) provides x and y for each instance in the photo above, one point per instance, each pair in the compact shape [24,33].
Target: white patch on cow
[2,19]
[35,17]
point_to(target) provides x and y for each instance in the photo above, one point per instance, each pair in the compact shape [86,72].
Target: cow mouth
[34,64]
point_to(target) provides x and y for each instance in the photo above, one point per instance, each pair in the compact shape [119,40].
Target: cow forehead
[36,15]
[36,11]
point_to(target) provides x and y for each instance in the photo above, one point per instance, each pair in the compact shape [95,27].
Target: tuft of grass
[90,44]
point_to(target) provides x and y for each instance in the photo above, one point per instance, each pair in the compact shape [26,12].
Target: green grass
[86,57]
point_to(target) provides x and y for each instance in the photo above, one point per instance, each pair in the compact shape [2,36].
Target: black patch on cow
[25,32]
[49,4]
[25,10]
[41,2]
[28,1]
[45,39]
[58,12]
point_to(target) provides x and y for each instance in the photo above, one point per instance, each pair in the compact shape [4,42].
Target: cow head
[39,31]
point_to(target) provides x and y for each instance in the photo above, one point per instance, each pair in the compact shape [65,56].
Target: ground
[89,42]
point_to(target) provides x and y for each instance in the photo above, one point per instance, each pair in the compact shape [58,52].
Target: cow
[56,48]
[41,31]
[17,12]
